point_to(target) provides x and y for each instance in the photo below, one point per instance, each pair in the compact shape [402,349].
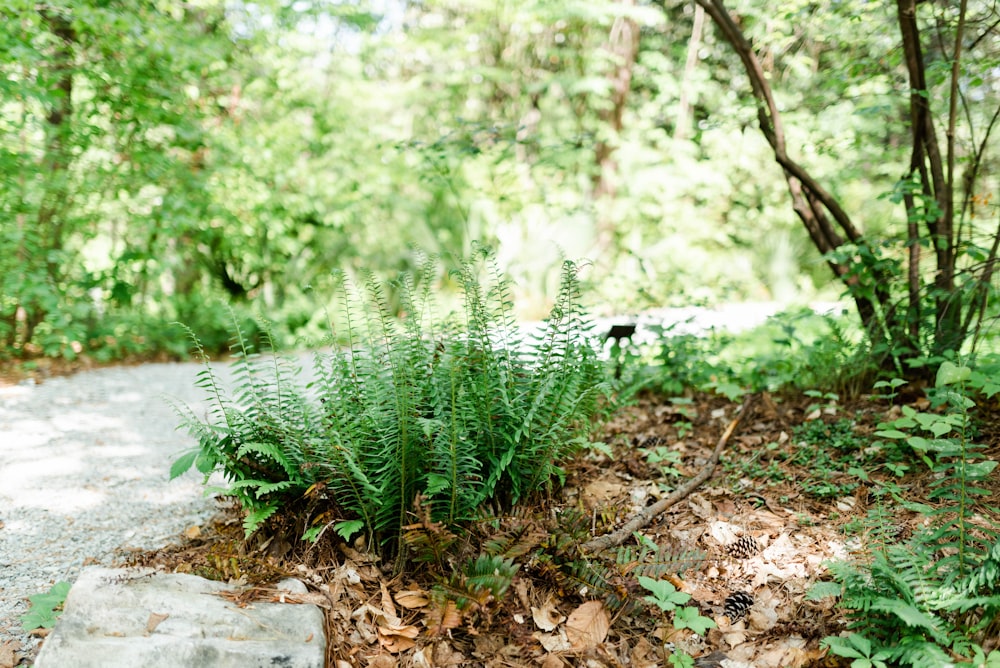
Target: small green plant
[460,412]
[45,608]
[859,648]
[827,401]
[664,595]
[936,597]
[666,459]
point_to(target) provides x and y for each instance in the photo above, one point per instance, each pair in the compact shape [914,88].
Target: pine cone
[737,605]
[743,547]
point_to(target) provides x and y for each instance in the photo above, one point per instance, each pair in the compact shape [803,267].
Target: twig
[646,515]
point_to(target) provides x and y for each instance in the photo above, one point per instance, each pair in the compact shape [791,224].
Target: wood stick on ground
[646,515]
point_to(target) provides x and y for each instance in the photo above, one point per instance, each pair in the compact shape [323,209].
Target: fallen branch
[646,515]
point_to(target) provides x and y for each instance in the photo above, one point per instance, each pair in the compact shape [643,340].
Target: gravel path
[84,465]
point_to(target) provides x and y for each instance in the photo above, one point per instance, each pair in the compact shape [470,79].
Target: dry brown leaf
[310,597]
[547,617]
[396,644]
[382,661]
[387,605]
[412,599]
[154,620]
[553,661]
[397,637]
[588,625]
[644,655]
[553,642]
[601,490]
[444,655]
[423,658]
[9,650]
[440,619]
[788,654]
[192,532]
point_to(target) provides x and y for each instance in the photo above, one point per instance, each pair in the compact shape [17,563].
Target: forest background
[167,161]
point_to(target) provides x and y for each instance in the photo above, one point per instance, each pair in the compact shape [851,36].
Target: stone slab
[126,618]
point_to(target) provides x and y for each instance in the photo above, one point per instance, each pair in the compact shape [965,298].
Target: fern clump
[460,412]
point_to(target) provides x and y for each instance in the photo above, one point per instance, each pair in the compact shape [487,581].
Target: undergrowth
[459,412]
[933,600]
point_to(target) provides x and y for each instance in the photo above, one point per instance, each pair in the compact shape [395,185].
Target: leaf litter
[759,535]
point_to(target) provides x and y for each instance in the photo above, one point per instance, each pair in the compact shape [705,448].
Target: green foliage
[936,596]
[666,597]
[797,349]
[458,412]
[45,608]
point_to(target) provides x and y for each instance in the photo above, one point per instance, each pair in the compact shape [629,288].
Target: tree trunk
[684,115]
[814,206]
[623,48]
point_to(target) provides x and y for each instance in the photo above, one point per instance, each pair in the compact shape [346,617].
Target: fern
[936,597]
[459,412]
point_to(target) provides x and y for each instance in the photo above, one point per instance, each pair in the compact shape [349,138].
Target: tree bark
[684,112]
[936,175]
[623,48]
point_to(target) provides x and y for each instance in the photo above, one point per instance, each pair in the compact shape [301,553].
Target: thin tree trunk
[623,48]
[684,116]
[51,216]
[812,203]
[936,172]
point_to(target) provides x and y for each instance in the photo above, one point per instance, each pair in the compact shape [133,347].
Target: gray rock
[121,618]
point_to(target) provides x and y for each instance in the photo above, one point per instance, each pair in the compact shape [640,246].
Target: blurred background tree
[171,160]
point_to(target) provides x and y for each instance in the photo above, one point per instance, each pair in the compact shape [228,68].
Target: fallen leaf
[440,619]
[412,599]
[547,618]
[423,658]
[787,655]
[9,650]
[192,532]
[553,661]
[444,655]
[387,605]
[724,532]
[644,655]
[588,625]
[310,597]
[553,642]
[396,637]
[154,620]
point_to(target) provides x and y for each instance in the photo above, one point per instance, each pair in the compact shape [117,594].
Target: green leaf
[890,433]
[950,373]
[348,528]
[183,463]
[822,590]
[205,463]
[437,483]
[665,595]
[689,617]
[44,609]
